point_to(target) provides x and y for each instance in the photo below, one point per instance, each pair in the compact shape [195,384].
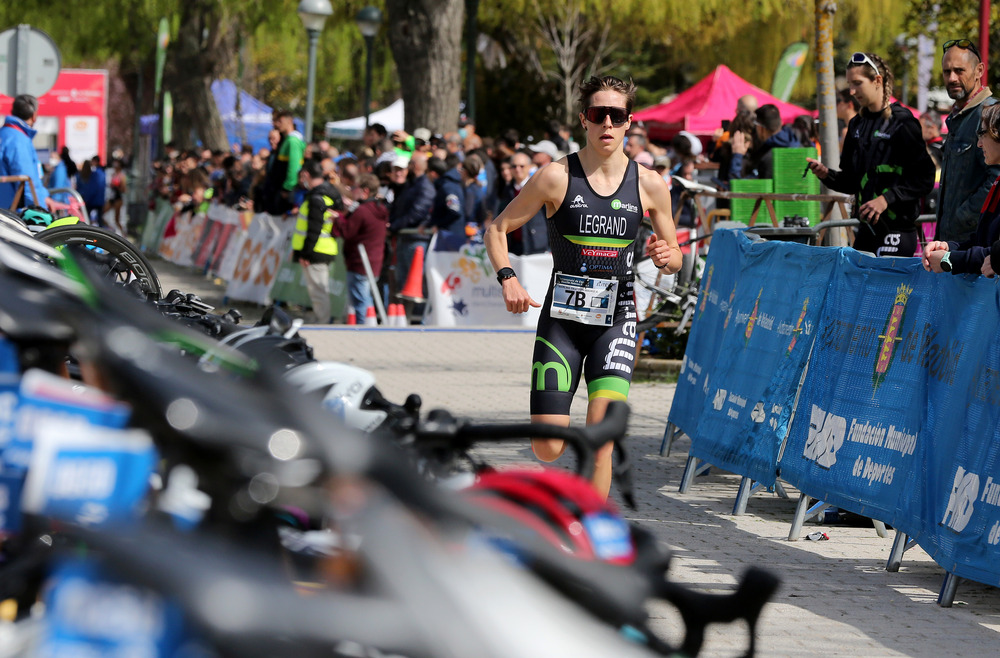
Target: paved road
[836,599]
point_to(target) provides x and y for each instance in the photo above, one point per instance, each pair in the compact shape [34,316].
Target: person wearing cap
[544,152]
[18,157]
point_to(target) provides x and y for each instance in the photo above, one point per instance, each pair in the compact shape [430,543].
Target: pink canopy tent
[702,108]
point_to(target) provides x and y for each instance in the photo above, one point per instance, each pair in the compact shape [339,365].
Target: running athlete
[594,201]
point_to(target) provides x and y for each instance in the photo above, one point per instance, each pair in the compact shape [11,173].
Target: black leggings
[563,348]
[886,242]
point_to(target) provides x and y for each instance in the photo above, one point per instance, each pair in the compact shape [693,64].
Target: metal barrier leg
[689,469]
[668,439]
[880,529]
[948,589]
[899,546]
[743,496]
[802,512]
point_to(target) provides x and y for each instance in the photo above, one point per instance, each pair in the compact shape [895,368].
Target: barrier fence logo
[961,500]
[729,308]
[798,327]
[891,335]
[826,434]
[707,289]
[752,320]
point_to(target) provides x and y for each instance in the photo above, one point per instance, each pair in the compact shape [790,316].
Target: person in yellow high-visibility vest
[314,245]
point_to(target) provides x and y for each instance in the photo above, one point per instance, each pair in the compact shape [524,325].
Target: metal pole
[311,88]
[829,137]
[369,46]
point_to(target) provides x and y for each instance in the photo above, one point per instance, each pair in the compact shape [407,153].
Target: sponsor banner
[210,237]
[259,258]
[156,223]
[225,267]
[718,290]
[766,336]
[224,214]
[215,261]
[462,288]
[180,241]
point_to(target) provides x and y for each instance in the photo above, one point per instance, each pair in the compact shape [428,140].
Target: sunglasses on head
[596,114]
[964,44]
[862,58]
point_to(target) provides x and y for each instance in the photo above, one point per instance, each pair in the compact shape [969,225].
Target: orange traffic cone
[371,320]
[414,288]
[400,316]
[352,316]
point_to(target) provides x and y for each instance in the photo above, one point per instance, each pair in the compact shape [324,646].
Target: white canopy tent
[391,117]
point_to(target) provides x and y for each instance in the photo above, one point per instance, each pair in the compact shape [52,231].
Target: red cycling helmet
[560,507]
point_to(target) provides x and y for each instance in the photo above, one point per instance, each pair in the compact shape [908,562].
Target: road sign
[29,61]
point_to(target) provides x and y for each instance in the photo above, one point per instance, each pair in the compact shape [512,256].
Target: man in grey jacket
[965,178]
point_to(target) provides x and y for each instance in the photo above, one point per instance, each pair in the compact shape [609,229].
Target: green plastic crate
[741,209]
[789,163]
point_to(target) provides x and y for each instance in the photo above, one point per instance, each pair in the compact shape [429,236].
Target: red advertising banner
[73,113]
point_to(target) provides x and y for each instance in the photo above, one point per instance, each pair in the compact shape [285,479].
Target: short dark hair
[845,96]
[437,165]
[282,114]
[451,161]
[25,106]
[769,116]
[313,168]
[607,83]
[378,129]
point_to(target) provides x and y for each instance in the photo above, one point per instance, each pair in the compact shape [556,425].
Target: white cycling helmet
[347,391]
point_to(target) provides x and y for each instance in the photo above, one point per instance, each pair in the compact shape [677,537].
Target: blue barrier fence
[898,413]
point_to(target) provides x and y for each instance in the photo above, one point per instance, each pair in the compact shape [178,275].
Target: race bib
[584,299]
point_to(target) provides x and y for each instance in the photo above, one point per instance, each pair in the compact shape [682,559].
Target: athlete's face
[605,136]
[868,92]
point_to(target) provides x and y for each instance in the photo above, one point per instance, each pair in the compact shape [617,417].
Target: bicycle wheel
[127,265]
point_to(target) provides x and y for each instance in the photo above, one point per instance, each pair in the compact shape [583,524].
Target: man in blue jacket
[18,157]
[758,161]
[448,213]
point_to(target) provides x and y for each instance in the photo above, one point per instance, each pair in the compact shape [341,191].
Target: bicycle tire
[139,268]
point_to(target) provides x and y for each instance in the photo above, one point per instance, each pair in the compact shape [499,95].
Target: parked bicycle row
[229,492]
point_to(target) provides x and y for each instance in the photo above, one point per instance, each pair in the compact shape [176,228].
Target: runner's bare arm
[662,247]
[545,189]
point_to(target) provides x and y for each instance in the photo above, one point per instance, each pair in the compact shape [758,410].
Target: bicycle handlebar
[442,430]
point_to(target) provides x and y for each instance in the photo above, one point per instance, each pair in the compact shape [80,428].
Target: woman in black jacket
[885,163]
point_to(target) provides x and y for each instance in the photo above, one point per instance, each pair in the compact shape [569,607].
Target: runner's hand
[516,297]
[659,251]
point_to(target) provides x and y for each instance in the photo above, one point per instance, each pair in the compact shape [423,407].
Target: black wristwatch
[946,262]
[505,273]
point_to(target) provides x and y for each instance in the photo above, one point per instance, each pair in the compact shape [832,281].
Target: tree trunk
[426,41]
[198,55]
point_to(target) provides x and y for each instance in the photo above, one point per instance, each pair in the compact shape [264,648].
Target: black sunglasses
[596,114]
[965,44]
